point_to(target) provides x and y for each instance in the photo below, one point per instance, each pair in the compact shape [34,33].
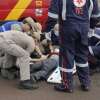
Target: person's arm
[95,14]
[52,15]
[50,24]
[96,10]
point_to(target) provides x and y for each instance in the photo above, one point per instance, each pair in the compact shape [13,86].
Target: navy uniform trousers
[74,47]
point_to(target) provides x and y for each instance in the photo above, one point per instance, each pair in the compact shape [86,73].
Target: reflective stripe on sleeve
[52,15]
[95,16]
[64,10]
[90,8]
[91,51]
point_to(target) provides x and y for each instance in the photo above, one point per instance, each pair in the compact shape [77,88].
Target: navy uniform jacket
[72,10]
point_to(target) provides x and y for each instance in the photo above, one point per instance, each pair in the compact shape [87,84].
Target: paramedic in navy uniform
[73,17]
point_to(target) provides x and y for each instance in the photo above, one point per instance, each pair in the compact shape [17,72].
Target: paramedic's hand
[43,57]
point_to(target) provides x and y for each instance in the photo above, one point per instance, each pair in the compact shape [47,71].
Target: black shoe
[85,88]
[27,84]
[6,74]
[62,88]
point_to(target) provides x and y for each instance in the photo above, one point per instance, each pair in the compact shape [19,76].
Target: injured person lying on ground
[40,68]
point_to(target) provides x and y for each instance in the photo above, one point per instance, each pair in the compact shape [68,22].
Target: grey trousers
[41,70]
[12,51]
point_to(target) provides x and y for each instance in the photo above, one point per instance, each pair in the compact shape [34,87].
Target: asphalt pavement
[9,91]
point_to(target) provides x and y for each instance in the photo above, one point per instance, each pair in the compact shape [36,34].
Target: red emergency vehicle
[19,9]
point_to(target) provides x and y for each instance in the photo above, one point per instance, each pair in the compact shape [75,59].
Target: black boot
[84,77]
[85,88]
[27,84]
[5,73]
[62,88]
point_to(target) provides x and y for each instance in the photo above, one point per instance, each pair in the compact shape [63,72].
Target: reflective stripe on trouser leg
[67,78]
[83,73]
[82,65]
[66,74]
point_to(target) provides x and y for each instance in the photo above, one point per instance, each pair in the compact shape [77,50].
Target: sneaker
[27,84]
[85,88]
[62,88]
